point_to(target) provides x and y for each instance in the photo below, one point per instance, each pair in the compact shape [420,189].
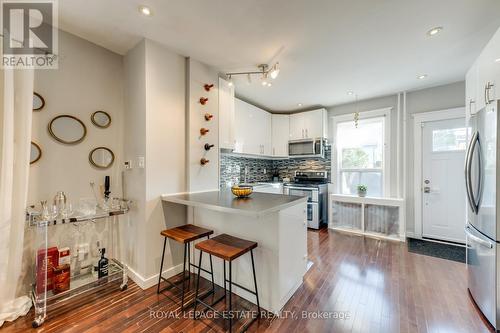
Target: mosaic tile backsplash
[232,168]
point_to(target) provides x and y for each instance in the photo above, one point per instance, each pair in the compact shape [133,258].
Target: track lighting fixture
[266,74]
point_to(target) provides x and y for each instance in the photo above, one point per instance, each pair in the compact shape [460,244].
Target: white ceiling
[325,47]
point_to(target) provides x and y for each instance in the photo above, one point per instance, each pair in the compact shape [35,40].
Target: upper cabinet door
[280,134]
[297,131]
[315,124]
[471,92]
[488,77]
[253,129]
[226,115]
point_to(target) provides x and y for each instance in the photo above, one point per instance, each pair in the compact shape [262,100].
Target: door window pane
[449,139]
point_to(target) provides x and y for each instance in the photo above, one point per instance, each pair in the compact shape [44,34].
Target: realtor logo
[29,30]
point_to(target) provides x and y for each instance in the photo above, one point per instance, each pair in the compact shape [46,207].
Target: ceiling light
[421,77]
[497,60]
[434,31]
[145,10]
[269,84]
[230,81]
[275,71]
[299,105]
[350,93]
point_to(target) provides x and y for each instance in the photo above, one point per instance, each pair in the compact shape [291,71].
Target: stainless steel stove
[314,185]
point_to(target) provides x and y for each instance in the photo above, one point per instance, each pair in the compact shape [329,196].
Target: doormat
[438,250]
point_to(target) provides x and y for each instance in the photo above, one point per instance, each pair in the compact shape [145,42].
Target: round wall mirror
[67,129]
[101,157]
[101,119]
[36,153]
[38,102]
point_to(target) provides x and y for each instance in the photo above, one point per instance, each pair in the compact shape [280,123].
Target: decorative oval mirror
[101,157]
[67,129]
[36,153]
[38,102]
[101,119]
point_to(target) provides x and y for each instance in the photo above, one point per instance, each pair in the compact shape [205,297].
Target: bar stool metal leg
[225,289]
[161,266]
[197,285]
[184,275]
[255,284]
[189,263]
[230,300]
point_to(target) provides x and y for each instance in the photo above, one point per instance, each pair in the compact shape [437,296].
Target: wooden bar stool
[227,248]
[185,234]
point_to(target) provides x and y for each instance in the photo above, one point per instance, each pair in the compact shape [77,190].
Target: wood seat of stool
[186,233]
[226,247]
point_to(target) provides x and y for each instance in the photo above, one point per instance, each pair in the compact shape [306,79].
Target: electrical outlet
[141,162]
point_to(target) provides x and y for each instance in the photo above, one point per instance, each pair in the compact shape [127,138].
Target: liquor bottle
[102,266]
[203,100]
[208,116]
[208,146]
[204,161]
[204,131]
[208,86]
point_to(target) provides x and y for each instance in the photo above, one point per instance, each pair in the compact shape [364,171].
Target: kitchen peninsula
[276,222]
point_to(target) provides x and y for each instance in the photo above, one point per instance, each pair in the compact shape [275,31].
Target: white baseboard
[145,283]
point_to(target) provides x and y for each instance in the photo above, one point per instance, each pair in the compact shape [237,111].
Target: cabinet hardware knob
[204,131]
[208,146]
[208,116]
[208,86]
[204,161]
[203,100]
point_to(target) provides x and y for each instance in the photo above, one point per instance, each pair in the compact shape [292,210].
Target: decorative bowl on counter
[241,191]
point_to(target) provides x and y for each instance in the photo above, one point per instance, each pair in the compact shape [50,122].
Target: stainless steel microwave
[306,148]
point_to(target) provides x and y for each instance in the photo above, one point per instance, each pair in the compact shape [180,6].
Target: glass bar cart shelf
[81,285]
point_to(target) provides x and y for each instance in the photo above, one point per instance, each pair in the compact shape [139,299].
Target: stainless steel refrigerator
[483,215]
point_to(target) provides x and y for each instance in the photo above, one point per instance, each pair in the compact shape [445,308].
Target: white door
[443,187]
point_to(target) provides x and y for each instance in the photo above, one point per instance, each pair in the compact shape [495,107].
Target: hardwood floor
[377,286]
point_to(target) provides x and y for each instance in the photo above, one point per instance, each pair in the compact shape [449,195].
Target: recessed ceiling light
[434,31]
[145,10]
[299,104]
[269,84]
[497,60]
[350,93]
[421,77]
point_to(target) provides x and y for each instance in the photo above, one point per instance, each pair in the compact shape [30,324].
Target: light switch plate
[141,162]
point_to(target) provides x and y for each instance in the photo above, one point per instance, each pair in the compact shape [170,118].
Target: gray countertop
[257,204]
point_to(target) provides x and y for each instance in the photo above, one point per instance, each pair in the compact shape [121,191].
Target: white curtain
[16,93]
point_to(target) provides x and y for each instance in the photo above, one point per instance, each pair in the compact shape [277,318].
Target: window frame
[386,161]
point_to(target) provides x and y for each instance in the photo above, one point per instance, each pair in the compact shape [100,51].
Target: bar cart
[44,295]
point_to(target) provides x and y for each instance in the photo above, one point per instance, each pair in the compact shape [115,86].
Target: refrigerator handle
[477,239]
[468,176]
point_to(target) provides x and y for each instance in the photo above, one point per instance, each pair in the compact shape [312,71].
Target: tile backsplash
[232,167]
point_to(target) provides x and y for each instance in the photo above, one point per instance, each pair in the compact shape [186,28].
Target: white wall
[425,100]
[89,78]
[155,129]
[206,177]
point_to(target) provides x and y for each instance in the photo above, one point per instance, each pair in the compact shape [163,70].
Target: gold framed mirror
[36,153]
[101,157]
[101,119]
[38,102]
[67,129]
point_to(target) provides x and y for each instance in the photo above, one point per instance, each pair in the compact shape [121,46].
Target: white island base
[276,222]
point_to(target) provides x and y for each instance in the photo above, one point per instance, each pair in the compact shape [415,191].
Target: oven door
[313,215]
[311,193]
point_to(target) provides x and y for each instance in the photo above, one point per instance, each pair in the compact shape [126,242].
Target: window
[361,154]
[452,139]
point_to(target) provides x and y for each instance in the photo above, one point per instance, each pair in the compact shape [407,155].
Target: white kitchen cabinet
[252,129]
[226,115]
[488,73]
[297,126]
[280,134]
[309,125]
